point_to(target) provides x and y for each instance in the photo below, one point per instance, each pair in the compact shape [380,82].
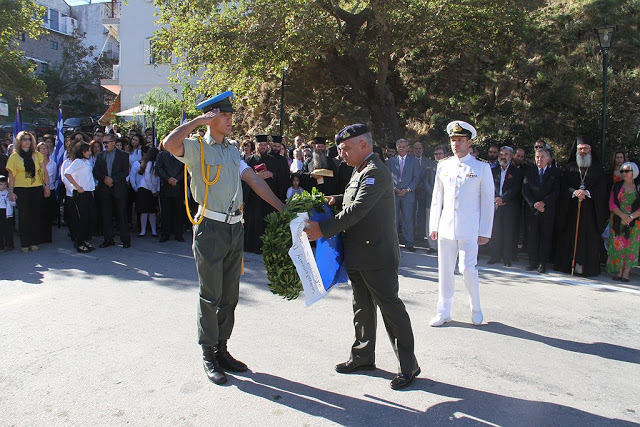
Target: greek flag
[184,117]
[17,124]
[58,153]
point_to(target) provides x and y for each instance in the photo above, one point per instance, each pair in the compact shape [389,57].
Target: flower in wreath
[615,262]
[632,257]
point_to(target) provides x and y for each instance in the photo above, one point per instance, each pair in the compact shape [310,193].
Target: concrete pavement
[109,338]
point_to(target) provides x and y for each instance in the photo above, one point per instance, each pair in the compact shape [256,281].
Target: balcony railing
[112,9]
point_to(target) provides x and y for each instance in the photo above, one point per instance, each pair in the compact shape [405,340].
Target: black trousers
[539,235]
[171,209]
[373,288]
[83,205]
[420,230]
[70,216]
[29,204]
[6,230]
[502,236]
[108,204]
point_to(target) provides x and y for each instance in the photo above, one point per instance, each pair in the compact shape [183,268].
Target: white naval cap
[460,128]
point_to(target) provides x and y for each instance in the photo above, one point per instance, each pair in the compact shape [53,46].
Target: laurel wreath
[281,273]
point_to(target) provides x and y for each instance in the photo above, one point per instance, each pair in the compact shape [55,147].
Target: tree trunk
[384,119]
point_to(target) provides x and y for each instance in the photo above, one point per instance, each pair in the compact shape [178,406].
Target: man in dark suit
[111,170]
[3,164]
[405,173]
[171,173]
[540,189]
[371,256]
[507,181]
[423,194]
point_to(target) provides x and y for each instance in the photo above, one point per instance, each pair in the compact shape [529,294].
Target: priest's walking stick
[575,243]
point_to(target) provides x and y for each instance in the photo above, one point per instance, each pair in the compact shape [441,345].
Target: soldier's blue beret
[351,131]
[221,101]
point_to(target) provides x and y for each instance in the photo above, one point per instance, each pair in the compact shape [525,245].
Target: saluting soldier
[371,256]
[216,169]
[461,218]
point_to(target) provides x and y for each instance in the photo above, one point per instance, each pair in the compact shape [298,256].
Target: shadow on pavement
[601,349]
[470,407]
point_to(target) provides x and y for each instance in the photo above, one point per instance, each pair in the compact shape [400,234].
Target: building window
[53,19]
[54,45]
[45,67]
[22,36]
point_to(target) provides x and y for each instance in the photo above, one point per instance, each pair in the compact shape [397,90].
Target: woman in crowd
[148,189]
[126,145]
[96,148]
[246,149]
[50,206]
[70,214]
[28,186]
[613,173]
[80,175]
[624,235]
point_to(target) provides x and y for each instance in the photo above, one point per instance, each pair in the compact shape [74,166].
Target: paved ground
[109,338]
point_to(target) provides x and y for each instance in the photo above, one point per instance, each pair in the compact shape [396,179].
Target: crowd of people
[573,218]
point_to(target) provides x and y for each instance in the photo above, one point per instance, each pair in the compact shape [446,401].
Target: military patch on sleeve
[369,181]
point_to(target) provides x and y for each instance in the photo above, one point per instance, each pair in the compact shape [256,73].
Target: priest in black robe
[583,180]
[319,160]
[281,171]
[255,209]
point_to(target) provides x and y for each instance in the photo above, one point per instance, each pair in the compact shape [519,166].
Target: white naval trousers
[448,251]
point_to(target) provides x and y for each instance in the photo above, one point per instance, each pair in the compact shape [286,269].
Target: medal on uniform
[582,187]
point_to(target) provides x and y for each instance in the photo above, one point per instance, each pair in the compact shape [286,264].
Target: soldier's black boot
[226,360]
[211,366]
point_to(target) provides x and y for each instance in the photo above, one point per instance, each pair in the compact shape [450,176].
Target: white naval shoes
[476,317]
[439,320]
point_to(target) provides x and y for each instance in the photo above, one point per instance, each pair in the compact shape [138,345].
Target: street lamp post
[284,72]
[605,37]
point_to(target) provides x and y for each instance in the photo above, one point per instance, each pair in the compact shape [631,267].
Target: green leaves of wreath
[282,275]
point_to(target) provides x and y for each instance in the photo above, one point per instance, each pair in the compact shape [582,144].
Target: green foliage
[168,111]
[518,70]
[16,73]
[282,275]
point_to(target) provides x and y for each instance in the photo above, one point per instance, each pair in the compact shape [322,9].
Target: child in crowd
[6,216]
[295,186]
[297,164]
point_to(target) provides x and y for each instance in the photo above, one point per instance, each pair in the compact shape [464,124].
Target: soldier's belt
[220,217]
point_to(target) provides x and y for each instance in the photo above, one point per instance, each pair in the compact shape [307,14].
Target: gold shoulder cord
[207,183]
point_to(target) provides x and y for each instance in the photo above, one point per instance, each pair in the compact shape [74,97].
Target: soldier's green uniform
[217,245]
[371,256]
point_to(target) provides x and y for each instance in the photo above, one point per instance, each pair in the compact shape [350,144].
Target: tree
[75,81]
[354,48]
[518,70]
[18,17]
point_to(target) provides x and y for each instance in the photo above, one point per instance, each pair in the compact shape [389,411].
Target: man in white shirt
[461,218]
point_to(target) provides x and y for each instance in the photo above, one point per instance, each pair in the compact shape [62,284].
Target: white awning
[140,110]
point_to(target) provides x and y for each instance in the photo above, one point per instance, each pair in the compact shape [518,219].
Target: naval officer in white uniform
[461,219]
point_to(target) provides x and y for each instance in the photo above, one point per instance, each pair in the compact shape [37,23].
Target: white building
[60,21]
[133,24]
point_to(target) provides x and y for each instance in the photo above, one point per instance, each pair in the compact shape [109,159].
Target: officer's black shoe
[403,380]
[349,367]
[211,366]
[542,268]
[226,360]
